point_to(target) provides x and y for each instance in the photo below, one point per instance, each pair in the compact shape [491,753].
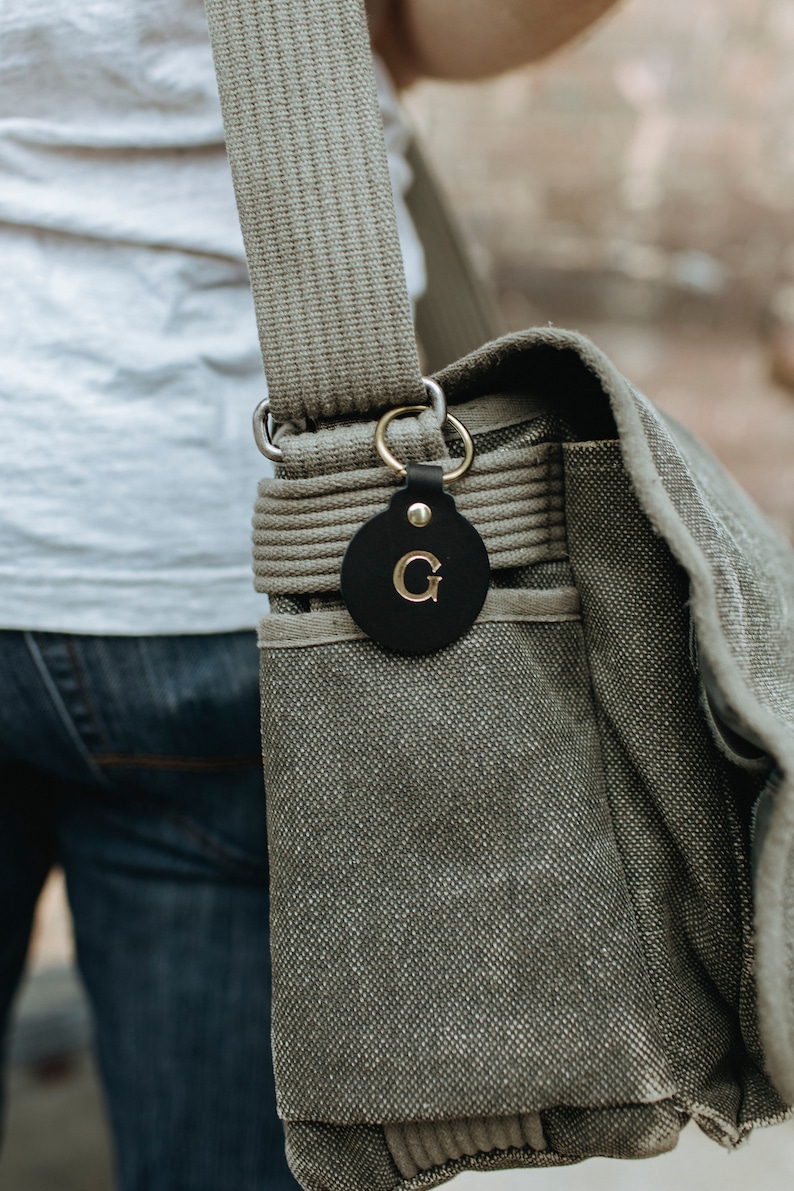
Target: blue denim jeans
[135,764]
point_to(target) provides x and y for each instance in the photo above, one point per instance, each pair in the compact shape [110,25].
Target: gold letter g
[432,580]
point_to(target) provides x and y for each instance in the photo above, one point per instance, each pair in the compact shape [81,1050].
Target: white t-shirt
[129,360]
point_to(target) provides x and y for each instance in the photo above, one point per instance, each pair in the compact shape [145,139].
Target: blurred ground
[55,1133]
[56,1136]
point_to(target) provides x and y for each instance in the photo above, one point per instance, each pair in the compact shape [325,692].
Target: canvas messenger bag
[531,781]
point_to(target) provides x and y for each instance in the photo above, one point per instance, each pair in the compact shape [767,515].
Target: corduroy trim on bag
[417,1147]
[302,527]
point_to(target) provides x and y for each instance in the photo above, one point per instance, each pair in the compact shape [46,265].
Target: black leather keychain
[415,576]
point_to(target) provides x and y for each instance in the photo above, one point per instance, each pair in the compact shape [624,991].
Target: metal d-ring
[262,435]
[438,399]
[438,402]
[392,460]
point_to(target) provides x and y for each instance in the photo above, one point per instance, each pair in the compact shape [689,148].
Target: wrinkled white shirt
[129,359]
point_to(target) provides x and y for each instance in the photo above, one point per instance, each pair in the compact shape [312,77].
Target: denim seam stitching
[61,709]
[211,847]
[83,688]
[234,764]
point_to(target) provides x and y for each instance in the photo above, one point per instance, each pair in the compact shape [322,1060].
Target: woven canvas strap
[305,143]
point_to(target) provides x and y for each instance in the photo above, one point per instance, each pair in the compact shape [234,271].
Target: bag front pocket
[451,931]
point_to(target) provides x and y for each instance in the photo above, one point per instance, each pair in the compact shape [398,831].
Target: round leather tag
[415,576]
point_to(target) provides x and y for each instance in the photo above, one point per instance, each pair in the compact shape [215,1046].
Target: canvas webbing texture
[302,527]
[305,143]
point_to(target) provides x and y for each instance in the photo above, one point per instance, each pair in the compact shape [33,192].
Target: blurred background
[638,187]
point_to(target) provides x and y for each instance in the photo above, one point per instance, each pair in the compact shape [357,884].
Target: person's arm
[471,39]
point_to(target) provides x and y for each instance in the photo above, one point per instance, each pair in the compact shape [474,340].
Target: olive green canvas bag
[532,889]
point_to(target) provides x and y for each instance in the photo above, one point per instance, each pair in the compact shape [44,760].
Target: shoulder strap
[305,143]
[456,314]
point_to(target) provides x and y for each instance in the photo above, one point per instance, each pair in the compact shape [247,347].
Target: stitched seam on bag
[287,631]
[599,722]
[743,987]
[746,990]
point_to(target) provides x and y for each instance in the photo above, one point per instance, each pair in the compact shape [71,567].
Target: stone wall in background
[646,172]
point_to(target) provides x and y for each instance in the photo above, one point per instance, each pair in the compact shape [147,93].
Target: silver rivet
[420,514]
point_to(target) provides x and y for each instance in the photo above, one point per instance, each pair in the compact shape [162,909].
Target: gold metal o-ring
[392,460]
